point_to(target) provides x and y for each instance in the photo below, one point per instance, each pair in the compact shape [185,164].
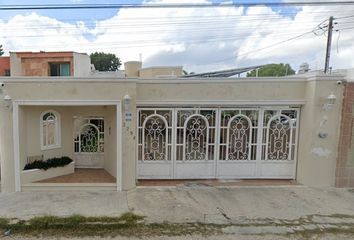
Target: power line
[130,43]
[344,28]
[54,33]
[281,42]
[192,5]
[251,16]
[239,19]
[266,47]
[275,44]
[158,24]
[164,28]
[210,39]
[351,16]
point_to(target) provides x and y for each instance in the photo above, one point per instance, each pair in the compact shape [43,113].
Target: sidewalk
[185,204]
[243,210]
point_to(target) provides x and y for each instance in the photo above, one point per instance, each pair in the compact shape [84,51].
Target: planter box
[34,175]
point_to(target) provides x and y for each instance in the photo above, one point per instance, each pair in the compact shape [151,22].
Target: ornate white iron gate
[192,143]
[89,142]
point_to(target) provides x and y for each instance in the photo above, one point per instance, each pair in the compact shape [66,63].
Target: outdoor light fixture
[7,102]
[126,100]
[330,101]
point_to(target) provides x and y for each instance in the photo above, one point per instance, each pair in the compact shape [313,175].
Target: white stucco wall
[82,64]
[317,156]
[15,64]
[110,163]
[248,90]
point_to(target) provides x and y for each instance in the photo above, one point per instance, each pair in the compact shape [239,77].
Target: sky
[199,39]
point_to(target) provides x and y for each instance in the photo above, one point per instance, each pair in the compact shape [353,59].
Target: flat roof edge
[169,80]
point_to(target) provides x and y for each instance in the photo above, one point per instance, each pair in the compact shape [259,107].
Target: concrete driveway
[186,203]
[237,204]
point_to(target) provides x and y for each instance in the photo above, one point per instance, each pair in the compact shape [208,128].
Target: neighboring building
[132,128]
[345,156]
[54,64]
[4,66]
[66,64]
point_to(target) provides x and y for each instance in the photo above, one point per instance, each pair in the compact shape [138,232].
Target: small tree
[1,50]
[105,61]
[272,70]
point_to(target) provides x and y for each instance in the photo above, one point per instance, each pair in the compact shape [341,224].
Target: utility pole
[329,43]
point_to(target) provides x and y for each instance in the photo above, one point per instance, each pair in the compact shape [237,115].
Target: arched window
[50,130]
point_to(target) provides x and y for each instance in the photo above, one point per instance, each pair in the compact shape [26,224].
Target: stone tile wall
[40,66]
[345,159]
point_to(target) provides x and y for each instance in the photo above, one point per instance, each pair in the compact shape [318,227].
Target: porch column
[7,150]
[129,146]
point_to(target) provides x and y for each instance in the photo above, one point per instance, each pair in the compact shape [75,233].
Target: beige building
[120,130]
[135,69]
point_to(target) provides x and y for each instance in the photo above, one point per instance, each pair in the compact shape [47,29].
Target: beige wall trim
[219,80]
[119,146]
[16,142]
[16,136]
[325,78]
[171,80]
[154,103]
[66,80]
[67,102]
[167,80]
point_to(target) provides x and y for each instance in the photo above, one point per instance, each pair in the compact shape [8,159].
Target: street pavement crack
[222,212]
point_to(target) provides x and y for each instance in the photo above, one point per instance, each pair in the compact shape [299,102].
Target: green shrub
[49,163]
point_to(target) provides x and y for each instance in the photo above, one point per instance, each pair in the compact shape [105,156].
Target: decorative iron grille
[195,134]
[154,135]
[89,135]
[238,134]
[279,135]
[223,134]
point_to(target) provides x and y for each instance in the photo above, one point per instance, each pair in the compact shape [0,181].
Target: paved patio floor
[83,175]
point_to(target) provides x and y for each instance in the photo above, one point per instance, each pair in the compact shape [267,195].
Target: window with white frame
[50,130]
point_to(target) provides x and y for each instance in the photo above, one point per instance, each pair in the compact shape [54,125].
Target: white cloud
[196,38]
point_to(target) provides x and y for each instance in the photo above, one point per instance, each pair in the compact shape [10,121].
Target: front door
[89,142]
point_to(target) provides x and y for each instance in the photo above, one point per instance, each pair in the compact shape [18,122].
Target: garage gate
[223,143]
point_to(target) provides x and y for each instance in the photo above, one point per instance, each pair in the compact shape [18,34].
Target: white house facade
[170,128]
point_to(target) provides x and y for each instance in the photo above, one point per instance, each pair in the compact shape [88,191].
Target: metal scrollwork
[155,138]
[238,138]
[279,138]
[89,138]
[89,135]
[196,138]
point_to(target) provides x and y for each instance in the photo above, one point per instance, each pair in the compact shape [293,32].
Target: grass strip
[130,224]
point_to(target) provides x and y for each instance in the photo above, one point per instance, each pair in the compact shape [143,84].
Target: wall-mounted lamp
[7,102]
[330,101]
[127,100]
